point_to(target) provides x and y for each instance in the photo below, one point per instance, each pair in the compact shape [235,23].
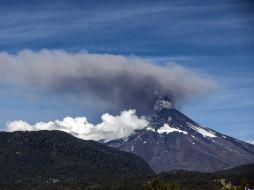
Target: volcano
[173,141]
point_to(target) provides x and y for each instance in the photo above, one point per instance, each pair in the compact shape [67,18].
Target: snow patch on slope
[150,129]
[167,129]
[202,131]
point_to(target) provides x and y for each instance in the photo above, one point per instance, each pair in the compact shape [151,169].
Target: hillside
[54,156]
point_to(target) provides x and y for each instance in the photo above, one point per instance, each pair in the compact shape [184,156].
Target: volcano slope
[173,141]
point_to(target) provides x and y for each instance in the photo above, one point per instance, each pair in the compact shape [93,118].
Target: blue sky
[208,36]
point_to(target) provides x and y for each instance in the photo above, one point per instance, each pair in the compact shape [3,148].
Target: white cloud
[252,142]
[111,127]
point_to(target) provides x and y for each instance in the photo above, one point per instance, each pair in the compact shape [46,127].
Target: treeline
[233,179]
[161,182]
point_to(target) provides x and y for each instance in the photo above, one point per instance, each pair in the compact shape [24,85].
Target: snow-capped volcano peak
[171,121]
[174,141]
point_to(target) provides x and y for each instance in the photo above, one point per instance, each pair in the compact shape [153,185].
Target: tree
[158,184]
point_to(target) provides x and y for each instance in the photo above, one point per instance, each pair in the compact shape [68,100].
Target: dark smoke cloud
[125,82]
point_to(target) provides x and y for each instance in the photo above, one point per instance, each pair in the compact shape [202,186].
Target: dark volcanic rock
[174,141]
[52,156]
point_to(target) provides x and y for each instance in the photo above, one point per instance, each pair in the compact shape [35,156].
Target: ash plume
[125,82]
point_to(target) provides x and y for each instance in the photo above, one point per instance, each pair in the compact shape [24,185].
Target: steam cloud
[126,82]
[111,127]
